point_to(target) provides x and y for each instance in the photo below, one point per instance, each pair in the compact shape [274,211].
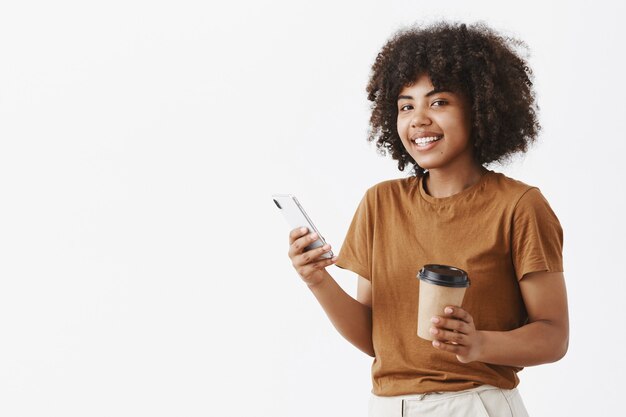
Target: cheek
[466,124]
[401,126]
[456,125]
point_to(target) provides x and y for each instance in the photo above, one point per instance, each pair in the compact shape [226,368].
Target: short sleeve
[355,253]
[537,236]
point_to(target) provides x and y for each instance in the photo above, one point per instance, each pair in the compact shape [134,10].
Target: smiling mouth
[427,140]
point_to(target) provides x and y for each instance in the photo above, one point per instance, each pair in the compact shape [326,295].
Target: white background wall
[143,266]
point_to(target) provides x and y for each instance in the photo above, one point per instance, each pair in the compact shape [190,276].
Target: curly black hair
[471,60]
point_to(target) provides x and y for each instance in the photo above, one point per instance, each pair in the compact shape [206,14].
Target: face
[435,126]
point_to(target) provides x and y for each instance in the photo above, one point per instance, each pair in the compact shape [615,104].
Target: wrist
[317,283]
[482,340]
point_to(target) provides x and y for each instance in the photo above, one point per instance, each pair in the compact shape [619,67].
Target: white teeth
[425,140]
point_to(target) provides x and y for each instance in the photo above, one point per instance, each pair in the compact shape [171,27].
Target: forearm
[352,319]
[533,344]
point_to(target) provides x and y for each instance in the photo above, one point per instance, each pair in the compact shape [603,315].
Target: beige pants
[484,401]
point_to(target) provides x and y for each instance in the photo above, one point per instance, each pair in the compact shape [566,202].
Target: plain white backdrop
[143,266]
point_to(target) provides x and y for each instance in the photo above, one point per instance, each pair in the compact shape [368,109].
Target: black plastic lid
[444,275]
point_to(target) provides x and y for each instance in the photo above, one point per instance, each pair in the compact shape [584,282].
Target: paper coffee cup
[440,286]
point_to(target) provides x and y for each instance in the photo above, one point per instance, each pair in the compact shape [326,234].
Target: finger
[451,324]
[297,233]
[312,267]
[309,256]
[297,247]
[447,336]
[459,313]
[448,347]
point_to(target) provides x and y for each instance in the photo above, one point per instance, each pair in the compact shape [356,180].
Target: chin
[427,165]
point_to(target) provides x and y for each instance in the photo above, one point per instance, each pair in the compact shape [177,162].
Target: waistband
[435,396]
[397,405]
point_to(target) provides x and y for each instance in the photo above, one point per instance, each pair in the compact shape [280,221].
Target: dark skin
[452,169]
[351,318]
[472,60]
[544,339]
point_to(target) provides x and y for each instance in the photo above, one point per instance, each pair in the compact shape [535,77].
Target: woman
[447,100]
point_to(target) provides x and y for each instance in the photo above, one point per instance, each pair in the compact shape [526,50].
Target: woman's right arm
[351,318]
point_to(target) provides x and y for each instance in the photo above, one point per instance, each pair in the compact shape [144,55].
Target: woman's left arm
[543,340]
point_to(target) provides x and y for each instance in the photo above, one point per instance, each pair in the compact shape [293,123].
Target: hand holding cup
[455,332]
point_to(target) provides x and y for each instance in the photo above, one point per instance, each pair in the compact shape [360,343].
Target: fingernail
[448,310]
[313,235]
[435,343]
[326,246]
[433,330]
[303,229]
[435,319]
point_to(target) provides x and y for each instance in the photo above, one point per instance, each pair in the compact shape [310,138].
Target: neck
[442,183]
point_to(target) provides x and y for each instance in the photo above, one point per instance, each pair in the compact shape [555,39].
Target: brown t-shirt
[497,230]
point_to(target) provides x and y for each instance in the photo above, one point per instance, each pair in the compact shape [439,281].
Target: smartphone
[296,217]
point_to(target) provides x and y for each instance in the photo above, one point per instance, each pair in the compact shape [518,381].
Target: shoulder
[397,187]
[513,191]
[387,194]
[525,200]
[509,185]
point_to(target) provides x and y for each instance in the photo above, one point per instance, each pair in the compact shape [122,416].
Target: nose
[419,118]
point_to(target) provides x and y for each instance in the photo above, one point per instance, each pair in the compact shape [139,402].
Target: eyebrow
[430,93]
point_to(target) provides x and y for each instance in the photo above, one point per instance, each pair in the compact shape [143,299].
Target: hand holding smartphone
[296,217]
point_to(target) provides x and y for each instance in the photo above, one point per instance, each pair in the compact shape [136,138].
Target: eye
[443,102]
[406,107]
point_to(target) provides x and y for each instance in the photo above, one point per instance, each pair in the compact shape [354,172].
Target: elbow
[369,351]
[556,342]
[560,349]
[563,344]
[563,349]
